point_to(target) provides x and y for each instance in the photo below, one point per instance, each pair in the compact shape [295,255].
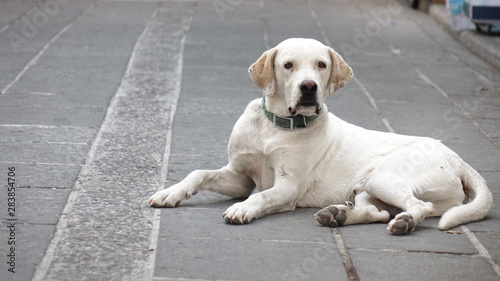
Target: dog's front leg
[224,181]
[283,196]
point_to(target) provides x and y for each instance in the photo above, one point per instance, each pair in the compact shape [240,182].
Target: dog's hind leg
[396,191]
[367,209]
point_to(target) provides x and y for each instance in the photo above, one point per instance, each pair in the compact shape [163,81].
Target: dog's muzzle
[309,97]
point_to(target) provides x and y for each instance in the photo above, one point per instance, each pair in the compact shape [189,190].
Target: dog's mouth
[305,108]
[307,104]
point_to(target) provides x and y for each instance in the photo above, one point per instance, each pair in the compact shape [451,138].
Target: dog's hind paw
[402,224]
[331,216]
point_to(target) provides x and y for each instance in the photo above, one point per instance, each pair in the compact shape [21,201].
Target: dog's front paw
[170,197]
[332,216]
[403,223]
[239,213]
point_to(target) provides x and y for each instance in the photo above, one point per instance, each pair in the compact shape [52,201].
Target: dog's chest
[262,175]
[254,156]
[257,166]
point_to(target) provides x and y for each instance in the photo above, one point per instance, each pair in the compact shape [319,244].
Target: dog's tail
[475,187]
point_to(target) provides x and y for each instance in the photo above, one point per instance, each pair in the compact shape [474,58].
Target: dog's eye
[288,65]
[321,65]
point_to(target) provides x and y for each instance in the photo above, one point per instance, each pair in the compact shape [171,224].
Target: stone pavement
[486,47]
[105,102]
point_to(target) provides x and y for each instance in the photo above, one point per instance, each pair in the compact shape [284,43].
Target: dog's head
[302,71]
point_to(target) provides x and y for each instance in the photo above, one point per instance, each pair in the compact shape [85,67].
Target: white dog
[297,154]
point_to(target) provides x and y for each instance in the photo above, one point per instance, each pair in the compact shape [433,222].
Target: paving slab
[36,214]
[12,10]
[228,252]
[420,266]
[31,242]
[37,205]
[353,107]
[426,238]
[214,259]
[289,227]
[490,241]
[45,175]
[18,145]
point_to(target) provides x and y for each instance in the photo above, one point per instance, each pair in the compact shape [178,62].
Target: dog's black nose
[308,87]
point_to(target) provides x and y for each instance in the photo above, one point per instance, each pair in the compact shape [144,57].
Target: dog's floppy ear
[340,73]
[262,72]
